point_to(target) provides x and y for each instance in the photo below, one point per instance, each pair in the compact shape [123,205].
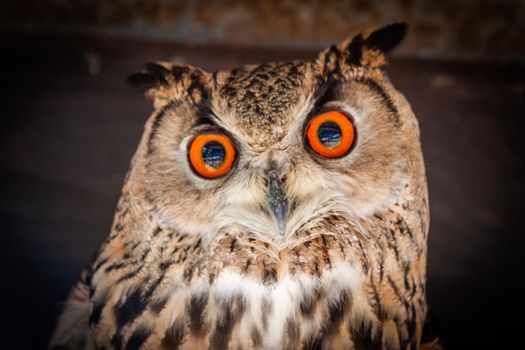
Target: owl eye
[211,155]
[330,134]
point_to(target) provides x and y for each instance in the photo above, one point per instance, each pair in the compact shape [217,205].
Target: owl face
[271,149]
[281,205]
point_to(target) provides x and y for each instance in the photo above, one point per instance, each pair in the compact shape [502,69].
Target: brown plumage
[208,263]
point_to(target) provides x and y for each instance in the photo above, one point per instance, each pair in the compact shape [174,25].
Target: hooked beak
[277,202]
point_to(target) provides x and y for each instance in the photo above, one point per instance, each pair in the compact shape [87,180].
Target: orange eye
[330,134]
[211,155]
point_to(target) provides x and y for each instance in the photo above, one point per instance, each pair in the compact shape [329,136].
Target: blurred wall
[470,29]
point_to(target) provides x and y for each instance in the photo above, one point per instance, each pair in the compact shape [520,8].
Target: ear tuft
[142,80]
[165,81]
[370,48]
[386,38]
[153,76]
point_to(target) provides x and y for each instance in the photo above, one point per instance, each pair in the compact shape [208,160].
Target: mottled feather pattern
[192,263]
[230,293]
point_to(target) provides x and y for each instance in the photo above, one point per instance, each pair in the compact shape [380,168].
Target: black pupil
[329,134]
[213,154]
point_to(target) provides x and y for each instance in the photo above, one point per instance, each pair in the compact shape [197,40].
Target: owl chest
[244,294]
[235,311]
[239,311]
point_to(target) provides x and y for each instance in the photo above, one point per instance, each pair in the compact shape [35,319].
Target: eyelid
[331,106]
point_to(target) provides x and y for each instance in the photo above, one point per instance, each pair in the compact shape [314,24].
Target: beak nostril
[277,201]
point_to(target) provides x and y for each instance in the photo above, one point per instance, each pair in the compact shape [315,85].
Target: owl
[273,206]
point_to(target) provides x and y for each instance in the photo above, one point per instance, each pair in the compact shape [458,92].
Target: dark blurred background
[70,125]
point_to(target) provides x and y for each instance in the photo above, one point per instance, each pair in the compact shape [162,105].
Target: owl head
[270,149]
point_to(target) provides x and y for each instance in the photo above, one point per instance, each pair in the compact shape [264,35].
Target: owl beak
[277,202]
